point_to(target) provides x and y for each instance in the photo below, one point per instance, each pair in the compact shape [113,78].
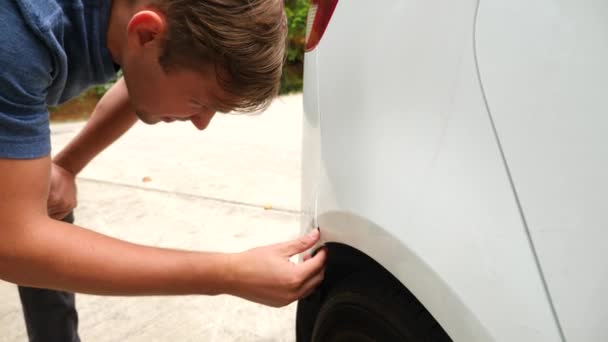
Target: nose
[202,121]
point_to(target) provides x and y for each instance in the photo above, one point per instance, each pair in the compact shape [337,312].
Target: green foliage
[291,80]
[297,11]
[102,88]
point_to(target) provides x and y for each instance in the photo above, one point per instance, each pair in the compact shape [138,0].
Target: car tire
[367,306]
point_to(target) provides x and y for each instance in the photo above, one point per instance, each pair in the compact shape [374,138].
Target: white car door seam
[512,184]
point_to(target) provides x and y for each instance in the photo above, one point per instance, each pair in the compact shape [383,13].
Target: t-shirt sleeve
[24,126]
[24,77]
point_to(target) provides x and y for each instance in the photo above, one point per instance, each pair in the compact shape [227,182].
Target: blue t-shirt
[50,51]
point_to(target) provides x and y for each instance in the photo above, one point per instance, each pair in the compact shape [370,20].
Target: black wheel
[364,306]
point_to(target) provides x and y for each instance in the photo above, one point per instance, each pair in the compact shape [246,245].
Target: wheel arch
[355,242]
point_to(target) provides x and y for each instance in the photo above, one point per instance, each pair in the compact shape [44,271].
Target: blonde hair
[244,39]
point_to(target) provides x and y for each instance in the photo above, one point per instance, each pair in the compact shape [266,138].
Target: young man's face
[160,95]
[178,95]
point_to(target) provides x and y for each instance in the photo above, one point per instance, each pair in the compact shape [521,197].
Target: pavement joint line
[185,194]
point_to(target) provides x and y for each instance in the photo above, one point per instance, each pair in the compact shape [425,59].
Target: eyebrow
[217,107]
[222,109]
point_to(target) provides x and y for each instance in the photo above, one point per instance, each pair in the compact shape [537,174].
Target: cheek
[147,89]
[166,102]
[155,102]
[138,97]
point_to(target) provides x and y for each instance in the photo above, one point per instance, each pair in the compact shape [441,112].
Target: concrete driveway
[170,185]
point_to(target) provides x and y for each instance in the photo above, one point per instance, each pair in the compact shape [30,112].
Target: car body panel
[407,168]
[546,85]
[311,145]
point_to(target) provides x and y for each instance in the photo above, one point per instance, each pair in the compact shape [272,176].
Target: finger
[314,264]
[300,244]
[60,215]
[52,203]
[311,284]
[61,207]
[54,210]
[307,256]
[58,210]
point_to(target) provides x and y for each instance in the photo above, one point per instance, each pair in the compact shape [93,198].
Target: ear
[146,27]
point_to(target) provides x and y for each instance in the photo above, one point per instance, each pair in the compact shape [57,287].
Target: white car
[456,161]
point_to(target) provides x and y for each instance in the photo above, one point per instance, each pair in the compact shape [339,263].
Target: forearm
[111,118]
[52,254]
[40,252]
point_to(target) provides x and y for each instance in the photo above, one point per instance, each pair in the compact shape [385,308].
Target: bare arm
[41,252]
[38,251]
[112,117]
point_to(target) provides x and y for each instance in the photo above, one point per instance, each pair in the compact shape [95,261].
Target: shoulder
[27,64]
[25,76]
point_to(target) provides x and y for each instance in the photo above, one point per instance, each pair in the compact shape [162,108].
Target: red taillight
[318,17]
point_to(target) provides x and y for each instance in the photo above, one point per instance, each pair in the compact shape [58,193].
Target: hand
[265,275]
[62,192]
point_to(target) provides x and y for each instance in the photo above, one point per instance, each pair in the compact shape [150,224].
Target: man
[181,60]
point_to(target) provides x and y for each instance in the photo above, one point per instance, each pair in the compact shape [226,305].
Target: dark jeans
[50,316]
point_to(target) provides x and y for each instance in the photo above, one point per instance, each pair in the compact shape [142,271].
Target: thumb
[301,244]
